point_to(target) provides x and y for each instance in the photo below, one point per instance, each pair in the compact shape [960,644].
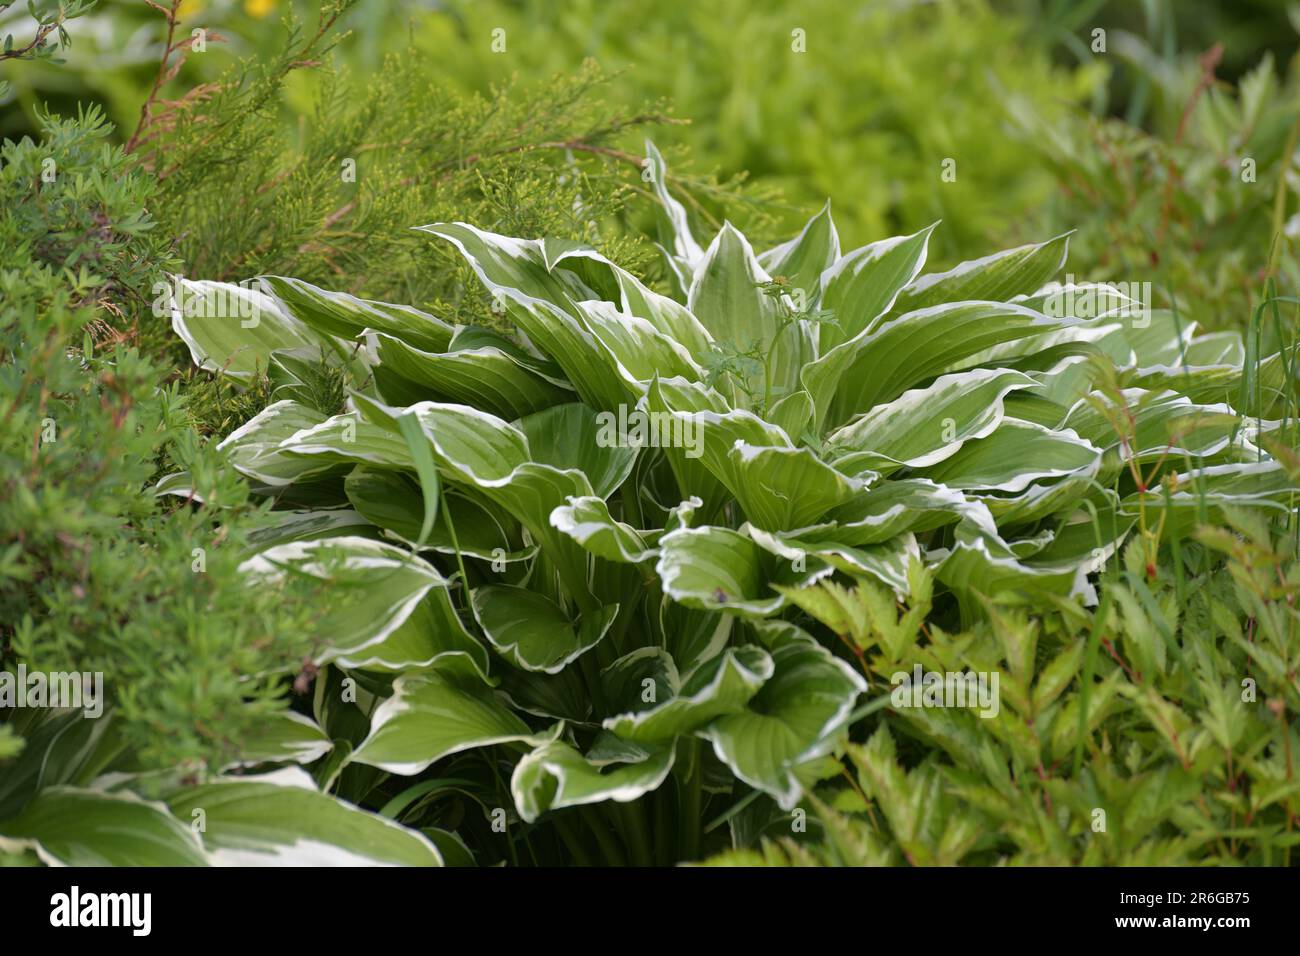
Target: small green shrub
[581,552]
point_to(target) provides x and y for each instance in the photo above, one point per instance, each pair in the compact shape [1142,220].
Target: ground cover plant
[576,579]
[439,515]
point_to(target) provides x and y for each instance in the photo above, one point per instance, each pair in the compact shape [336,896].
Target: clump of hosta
[582,542]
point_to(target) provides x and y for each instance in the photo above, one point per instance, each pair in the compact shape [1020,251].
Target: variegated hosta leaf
[68,826]
[485,453]
[392,500]
[346,316]
[727,298]
[489,376]
[798,715]
[1202,494]
[377,587]
[886,562]
[926,425]
[720,686]
[283,738]
[980,562]
[573,437]
[677,243]
[233,329]
[1015,455]
[281,819]
[587,521]
[254,446]
[863,285]
[1164,424]
[996,278]
[781,488]
[802,260]
[530,631]
[433,715]
[717,569]
[888,510]
[880,364]
[556,775]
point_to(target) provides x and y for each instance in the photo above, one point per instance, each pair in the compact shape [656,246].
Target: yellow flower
[258,8]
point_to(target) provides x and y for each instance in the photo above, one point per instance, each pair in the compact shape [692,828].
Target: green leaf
[862,286]
[284,737]
[804,258]
[573,437]
[232,329]
[924,426]
[717,569]
[431,716]
[531,632]
[556,775]
[67,826]
[1014,456]
[995,278]
[346,316]
[487,377]
[281,819]
[797,716]
[726,296]
[723,685]
[377,587]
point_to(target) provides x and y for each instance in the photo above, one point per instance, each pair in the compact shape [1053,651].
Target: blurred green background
[1135,146]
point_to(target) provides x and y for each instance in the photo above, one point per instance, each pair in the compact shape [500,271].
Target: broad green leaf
[556,775]
[285,737]
[683,252]
[1262,484]
[348,439]
[281,819]
[803,259]
[486,377]
[1015,455]
[530,631]
[432,636]
[67,826]
[431,716]
[862,285]
[573,437]
[517,268]
[377,586]
[879,365]
[392,500]
[717,569]
[728,299]
[887,562]
[233,329]
[638,348]
[346,316]
[720,686]
[781,488]
[255,451]
[926,425]
[797,716]
[587,521]
[889,509]
[995,278]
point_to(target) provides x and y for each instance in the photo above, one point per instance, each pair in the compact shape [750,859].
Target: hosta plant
[571,561]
